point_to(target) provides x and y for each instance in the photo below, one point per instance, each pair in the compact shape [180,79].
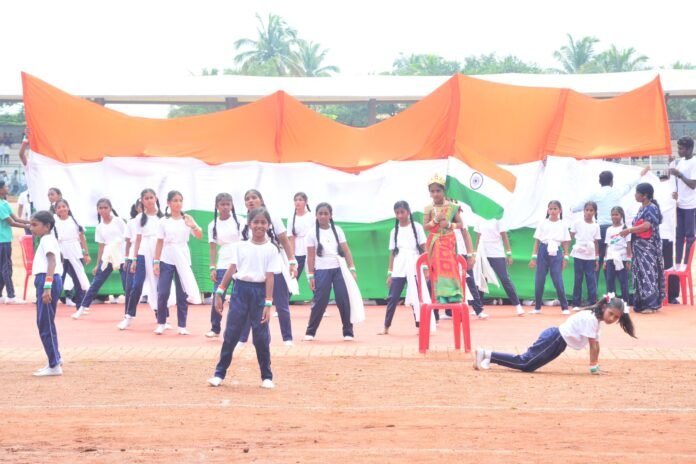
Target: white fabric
[483,271]
[254,261]
[404,264]
[71,248]
[107,233]
[227,237]
[47,244]
[23,201]
[686,195]
[303,224]
[586,236]
[278,226]
[112,254]
[357,307]
[552,233]
[490,231]
[329,258]
[579,328]
[616,246]
[668,208]
[175,251]
[131,235]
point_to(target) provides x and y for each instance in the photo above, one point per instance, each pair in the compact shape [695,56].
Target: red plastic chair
[685,280]
[460,311]
[27,243]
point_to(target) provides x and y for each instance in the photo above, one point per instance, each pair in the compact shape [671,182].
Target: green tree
[12,114]
[178,111]
[271,50]
[309,60]
[615,60]
[424,65]
[681,108]
[491,64]
[576,55]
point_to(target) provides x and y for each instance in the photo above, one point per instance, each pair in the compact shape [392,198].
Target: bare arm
[156,257]
[289,252]
[23,152]
[428,218]
[594,352]
[50,271]
[267,310]
[311,255]
[223,286]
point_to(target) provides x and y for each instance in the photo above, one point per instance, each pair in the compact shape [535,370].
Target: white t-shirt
[490,231]
[68,238]
[151,227]
[579,328]
[303,224]
[227,236]
[23,201]
[131,235]
[254,261]
[548,230]
[47,244]
[329,251]
[585,237]
[668,208]
[616,244]
[407,248]
[175,234]
[111,232]
[686,198]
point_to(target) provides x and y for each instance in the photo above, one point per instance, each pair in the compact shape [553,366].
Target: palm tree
[575,56]
[272,51]
[615,60]
[424,65]
[309,59]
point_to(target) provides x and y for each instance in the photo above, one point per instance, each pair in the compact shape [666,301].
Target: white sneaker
[77,314]
[69,302]
[267,383]
[479,358]
[15,300]
[565,312]
[576,309]
[288,343]
[275,314]
[214,381]
[184,331]
[308,338]
[240,345]
[445,317]
[482,315]
[48,371]
[121,299]
[520,310]
[167,326]
[160,329]
[87,309]
[326,314]
[535,311]
[471,313]
[123,325]
[211,334]
[348,338]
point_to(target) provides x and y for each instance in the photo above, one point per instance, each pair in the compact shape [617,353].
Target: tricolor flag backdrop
[492,141]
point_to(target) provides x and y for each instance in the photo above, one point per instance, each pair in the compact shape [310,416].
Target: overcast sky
[68,41]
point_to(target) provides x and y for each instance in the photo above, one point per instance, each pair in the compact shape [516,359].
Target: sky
[67,41]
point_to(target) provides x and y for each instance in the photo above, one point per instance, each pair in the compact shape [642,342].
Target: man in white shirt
[684,193]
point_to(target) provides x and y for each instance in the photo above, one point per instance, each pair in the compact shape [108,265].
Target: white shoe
[482,315]
[87,309]
[288,343]
[184,331]
[565,312]
[121,299]
[48,371]
[123,325]
[167,326]
[326,314]
[112,299]
[212,334]
[576,309]
[275,314]
[77,314]
[69,302]
[445,317]
[267,383]
[348,338]
[535,311]
[471,313]
[15,300]
[214,381]
[240,345]
[308,338]
[479,358]
[160,329]
[520,310]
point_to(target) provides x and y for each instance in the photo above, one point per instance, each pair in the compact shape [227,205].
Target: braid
[419,247]
[115,213]
[159,209]
[79,227]
[338,244]
[395,251]
[294,215]
[659,210]
[143,219]
[272,237]
[245,232]
[320,248]
[166,211]
[234,215]
[215,223]
[307,205]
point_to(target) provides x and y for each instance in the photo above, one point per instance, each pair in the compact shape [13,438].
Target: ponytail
[395,251]
[419,247]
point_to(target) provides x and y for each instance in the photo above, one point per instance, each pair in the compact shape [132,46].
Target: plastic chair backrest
[423,261]
[27,242]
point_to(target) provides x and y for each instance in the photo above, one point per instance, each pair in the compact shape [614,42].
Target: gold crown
[437,179]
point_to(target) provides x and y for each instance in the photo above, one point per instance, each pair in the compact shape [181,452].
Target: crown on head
[437,179]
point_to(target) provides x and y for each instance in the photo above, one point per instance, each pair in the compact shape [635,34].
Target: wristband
[292,262]
[268,303]
[220,291]
[508,253]
[629,260]
[352,269]
[155,261]
[566,257]
[594,369]
[84,252]
[48,285]
[310,276]
[596,258]
[212,268]
[49,279]
[389,273]
[534,256]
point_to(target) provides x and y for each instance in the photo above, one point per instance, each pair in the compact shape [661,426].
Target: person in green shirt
[7,221]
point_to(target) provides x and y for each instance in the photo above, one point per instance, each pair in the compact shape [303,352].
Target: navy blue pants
[324,280]
[97,283]
[46,317]
[78,293]
[686,223]
[246,304]
[127,283]
[215,317]
[612,274]
[548,347]
[395,289]
[135,289]
[500,268]
[6,269]
[164,287]
[546,264]
[668,256]
[281,301]
[300,265]
[585,268]
[602,247]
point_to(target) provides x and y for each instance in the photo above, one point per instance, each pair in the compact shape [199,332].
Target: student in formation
[299,226]
[73,247]
[130,236]
[586,255]
[619,256]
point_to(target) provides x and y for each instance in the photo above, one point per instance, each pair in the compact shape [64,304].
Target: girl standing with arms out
[492,236]
[441,219]
[73,247]
[109,235]
[648,269]
[301,223]
[325,244]
[222,232]
[586,255]
[172,261]
[617,262]
[551,234]
[576,332]
[253,265]
[147,228]
[283,278]
[54,194]
[406,244]
[47,270]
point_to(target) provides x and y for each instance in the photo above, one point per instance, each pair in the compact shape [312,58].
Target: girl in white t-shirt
[405,244]
[73,247]
[586,255]
[326,246]
[253,266]
[576,332]
[47,270]
[223,233]
[172,262]
[130,236]
[551,234]
[617,262]
[301,223]
[109,235]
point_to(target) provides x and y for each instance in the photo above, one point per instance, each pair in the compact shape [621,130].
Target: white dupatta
[357,307]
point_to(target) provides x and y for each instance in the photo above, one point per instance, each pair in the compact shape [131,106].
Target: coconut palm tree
[424,65]
[271,51]
[615,60]
[309,60]
[576,55]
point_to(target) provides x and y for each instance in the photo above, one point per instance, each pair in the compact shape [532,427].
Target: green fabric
[5,228]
